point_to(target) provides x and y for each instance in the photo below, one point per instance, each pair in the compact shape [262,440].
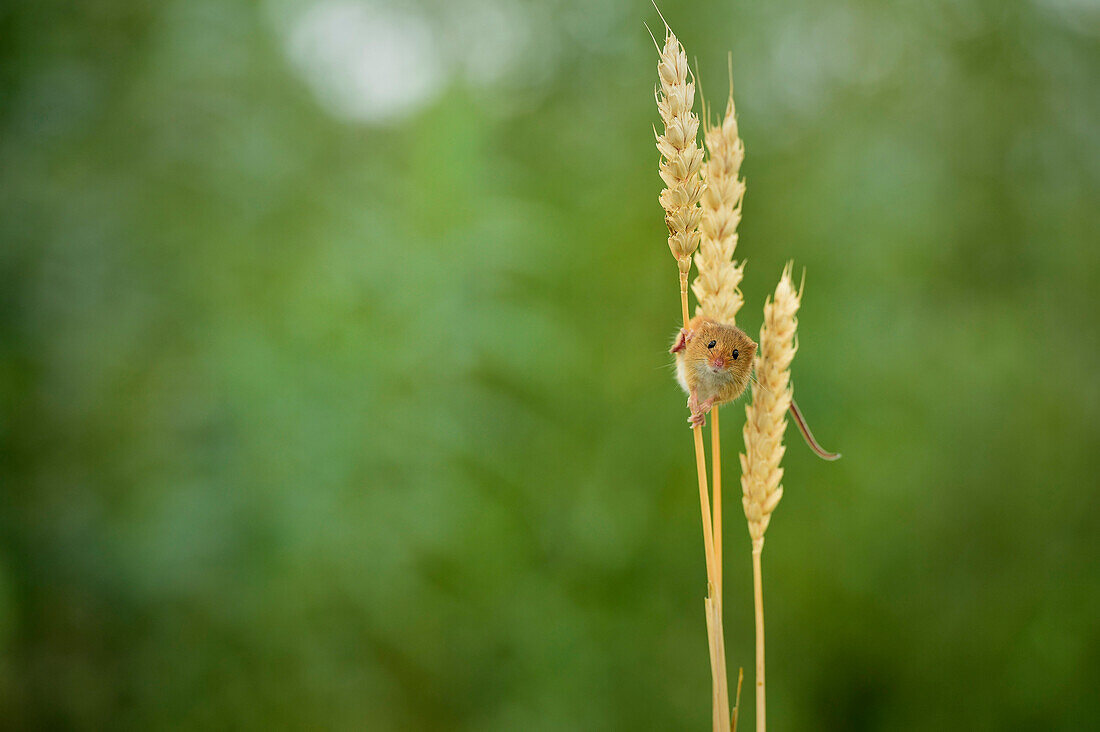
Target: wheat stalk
[681,159]
[716,287]
[765,423]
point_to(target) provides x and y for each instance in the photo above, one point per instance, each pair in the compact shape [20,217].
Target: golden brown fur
[712,375]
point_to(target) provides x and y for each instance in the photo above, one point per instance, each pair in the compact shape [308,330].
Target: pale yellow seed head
[765,422]
[717,286]
[681,156]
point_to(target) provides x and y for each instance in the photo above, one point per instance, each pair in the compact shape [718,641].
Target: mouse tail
[809,436]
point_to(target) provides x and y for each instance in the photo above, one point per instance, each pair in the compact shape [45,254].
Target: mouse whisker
[757,382]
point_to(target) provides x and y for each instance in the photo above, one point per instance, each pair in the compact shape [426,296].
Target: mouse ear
[680,343]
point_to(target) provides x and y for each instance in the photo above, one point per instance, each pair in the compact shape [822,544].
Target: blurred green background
[334,375]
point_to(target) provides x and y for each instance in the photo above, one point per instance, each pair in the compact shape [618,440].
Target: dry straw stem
[764,426]
[681,159]
[717,285]
[737,700]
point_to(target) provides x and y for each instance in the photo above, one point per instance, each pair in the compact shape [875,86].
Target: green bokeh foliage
[314,422]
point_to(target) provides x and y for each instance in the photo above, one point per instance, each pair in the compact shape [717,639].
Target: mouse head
[721,350]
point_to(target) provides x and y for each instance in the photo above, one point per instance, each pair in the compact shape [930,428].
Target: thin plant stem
[704,507]
[723,684]
[716,494]
[719,688]
[714,604]
[712,639]
[758,602]
[701,469]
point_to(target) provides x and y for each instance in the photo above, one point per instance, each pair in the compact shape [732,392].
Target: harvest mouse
[714,364]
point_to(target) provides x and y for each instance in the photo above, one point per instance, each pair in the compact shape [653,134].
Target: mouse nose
[719,362]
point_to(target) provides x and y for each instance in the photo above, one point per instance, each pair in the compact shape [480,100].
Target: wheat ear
[681,159]
[765,423]
[716,287]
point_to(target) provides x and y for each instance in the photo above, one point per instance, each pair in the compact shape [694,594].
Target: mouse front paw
[699,410]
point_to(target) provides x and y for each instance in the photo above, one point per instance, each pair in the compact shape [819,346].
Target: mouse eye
[712,344]
[735,354]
